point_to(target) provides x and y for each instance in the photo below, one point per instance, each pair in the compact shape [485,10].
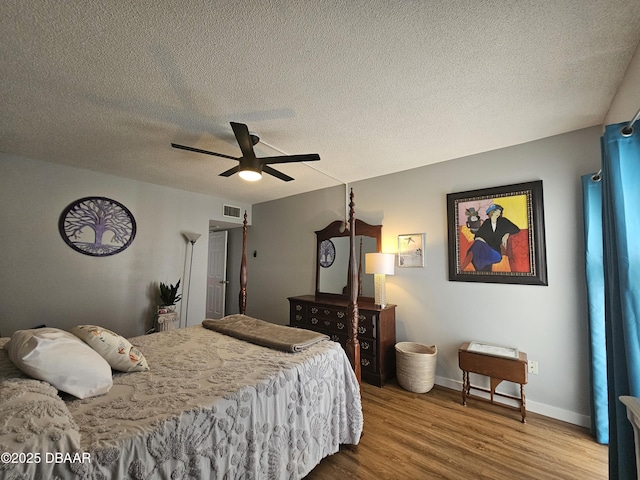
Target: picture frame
[510,249]
[411,250]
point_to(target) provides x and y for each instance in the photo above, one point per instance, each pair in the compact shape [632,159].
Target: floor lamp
[192,238]
[380,264]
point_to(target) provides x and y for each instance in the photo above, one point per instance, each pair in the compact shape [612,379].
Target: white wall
[44,281]
[549,323]
[627,100]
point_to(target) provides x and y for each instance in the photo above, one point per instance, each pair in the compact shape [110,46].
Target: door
[217,274]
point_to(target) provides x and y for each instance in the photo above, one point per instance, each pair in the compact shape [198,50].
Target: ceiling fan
[251,167]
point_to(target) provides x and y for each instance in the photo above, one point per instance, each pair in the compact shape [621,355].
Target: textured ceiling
[373,86]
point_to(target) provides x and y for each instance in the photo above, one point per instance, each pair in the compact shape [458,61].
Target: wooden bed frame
[353,345]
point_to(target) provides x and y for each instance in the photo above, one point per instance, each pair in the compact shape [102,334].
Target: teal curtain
[592,208]
[621,255]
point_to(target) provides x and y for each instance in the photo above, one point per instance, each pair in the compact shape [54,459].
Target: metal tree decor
[97,226]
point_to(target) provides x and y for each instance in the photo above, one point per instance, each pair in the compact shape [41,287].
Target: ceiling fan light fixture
[250,175]
[249,166]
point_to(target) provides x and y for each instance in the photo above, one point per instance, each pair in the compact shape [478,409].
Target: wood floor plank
[433,436]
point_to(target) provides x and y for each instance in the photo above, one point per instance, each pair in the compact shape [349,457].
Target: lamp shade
[380,263]
[192,237]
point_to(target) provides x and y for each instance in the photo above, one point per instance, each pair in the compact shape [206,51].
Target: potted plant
[169,296]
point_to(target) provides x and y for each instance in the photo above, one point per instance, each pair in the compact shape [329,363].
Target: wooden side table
[498,369]
[166,321]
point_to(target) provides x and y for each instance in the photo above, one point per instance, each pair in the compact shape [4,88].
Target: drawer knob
[364,362]
[340,326]
[362,329]
[314,310]
[298,307]
[314,320]
[340,314]
[365,345]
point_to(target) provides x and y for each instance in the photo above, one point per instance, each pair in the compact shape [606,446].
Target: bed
[210,406]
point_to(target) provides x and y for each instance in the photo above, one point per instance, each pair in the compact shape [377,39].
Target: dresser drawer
[328,313]
[297,307]
[299,321]
[336,320]
[298,314]
[329,324]
[367,325]
[367,345]
[368,363]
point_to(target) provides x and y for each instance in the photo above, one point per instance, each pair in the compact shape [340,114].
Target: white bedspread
[216,407]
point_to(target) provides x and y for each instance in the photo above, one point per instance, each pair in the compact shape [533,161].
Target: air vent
[231,211]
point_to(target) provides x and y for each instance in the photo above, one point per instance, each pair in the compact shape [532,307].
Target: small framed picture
[411,250]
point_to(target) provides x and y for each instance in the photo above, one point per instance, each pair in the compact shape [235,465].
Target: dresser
[376,331]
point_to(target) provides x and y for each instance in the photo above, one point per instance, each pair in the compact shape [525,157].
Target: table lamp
[380,264]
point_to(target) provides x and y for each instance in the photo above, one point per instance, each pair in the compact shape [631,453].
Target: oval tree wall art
[97,226]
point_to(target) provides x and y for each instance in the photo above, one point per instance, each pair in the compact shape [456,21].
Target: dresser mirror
[332,258]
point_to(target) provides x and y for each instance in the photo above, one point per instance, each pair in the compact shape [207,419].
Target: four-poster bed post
[243,269]
[353,345]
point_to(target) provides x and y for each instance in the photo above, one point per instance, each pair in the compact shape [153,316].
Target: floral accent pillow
[115,349]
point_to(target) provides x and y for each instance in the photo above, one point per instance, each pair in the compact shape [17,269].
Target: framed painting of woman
[496,235]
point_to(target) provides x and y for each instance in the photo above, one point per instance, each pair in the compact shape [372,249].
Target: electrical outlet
[533,367]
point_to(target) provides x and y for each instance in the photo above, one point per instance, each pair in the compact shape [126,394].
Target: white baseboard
[532,406]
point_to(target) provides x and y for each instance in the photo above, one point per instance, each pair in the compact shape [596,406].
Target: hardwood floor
[432,436]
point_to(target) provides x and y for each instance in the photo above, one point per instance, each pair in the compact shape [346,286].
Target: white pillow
[62,359]
[115,349]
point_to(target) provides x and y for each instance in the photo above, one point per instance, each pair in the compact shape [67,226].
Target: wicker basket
[416,366]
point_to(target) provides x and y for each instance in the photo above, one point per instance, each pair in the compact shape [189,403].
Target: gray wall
[549,323]
[44,281]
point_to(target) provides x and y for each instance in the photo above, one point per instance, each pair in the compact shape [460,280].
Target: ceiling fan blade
[276,173]
[241,131]
[231,171]
[206,152]
[309,157]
